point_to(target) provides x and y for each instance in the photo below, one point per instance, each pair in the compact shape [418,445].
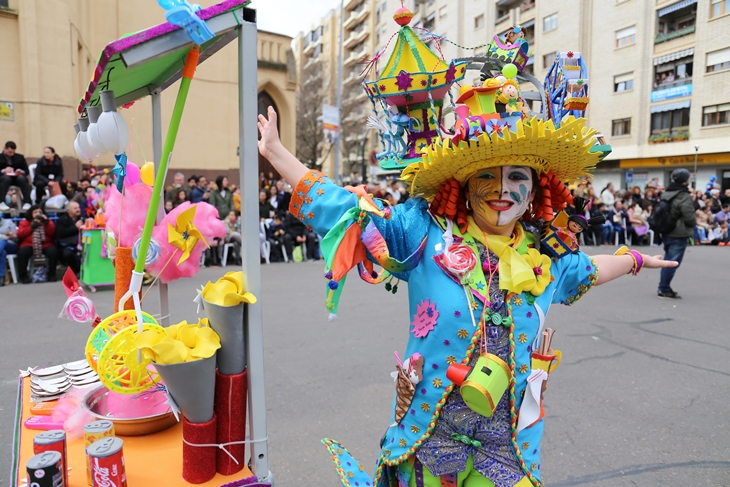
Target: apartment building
[659,71]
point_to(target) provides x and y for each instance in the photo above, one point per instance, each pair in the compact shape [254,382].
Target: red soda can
[107,463]
[44,470]
[53,440]
[94,432]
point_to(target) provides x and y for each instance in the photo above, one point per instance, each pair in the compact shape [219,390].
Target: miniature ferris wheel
[566,87]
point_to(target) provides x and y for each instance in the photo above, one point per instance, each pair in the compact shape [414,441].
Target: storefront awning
[670,107]
[675,55]
[675,7]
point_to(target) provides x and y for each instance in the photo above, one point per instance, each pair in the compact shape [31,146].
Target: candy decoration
[80,309]
[153,251]
[147,173]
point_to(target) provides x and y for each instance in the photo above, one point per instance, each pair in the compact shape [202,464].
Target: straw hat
[565,152]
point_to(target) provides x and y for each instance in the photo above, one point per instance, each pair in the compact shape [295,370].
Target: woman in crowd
[274,199]
[236,192]
[36,235]
[221,197]
[180,197]
[638,220]
[608,195]
[233,235]
[49,168]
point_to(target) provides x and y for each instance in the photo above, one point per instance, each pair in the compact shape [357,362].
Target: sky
[290,16]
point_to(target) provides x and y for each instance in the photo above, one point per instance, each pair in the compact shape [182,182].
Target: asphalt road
[641,399]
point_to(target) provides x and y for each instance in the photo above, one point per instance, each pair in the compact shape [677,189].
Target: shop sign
[7,111]
[673,92]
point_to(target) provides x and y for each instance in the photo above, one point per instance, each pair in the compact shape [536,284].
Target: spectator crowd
[43,214]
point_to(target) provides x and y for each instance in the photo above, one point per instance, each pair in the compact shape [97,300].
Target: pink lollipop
[80,309]
[133,174]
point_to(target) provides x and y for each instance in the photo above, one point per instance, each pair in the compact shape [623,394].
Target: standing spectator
[282,197]
[608,195]
[675,242]
[8,234]
[200,192]
[178,182]
[192,183]
[221,197]
[36,235]
[180,198]
[236,191]
[67,235]
[233,235]
[13,172]
[274,199]
[49,168]
[265,209]
[297,234]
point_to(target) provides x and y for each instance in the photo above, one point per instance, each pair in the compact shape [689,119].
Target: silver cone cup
[227,322]
[192,385]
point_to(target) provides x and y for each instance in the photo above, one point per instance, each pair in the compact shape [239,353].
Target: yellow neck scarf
[515,272]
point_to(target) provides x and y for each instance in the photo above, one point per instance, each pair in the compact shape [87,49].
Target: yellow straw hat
[565,152]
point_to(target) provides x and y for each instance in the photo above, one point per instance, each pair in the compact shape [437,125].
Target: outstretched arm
[273,150]
[611,267]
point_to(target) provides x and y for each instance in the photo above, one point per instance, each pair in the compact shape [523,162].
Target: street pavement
[641,399]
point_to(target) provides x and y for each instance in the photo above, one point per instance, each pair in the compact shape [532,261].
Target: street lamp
[697,150]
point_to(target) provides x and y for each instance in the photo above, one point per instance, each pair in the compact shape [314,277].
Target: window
[443,11]
[479,21]
[671,122]
[718,60]
[621,127]
[623,82]
[626,37]
[550,23]
[548,60]
[673,73]
[716,115]
[719,7]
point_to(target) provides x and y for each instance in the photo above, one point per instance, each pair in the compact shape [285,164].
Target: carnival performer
[478,287]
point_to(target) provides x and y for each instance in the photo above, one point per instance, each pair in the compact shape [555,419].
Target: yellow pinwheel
[184,235]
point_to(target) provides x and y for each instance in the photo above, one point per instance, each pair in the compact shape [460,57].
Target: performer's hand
[269,133]
[657,262]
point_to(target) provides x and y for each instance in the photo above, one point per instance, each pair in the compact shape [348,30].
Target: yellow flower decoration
[517,300]
[436,382]
[462,333]
[181,343]
[184,235]
[425,407]
[540,265]
[228,291]
[415,428]
[450,359]
[523,369]
[402,442]
[350,474]
[533,466]
[526,445]
[522,338]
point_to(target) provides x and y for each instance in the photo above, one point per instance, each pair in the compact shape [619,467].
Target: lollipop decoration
[79,308]
[153,251]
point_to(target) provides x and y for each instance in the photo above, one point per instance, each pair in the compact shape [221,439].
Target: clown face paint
[500,195]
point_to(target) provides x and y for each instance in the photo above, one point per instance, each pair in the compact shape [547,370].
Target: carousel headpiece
[413,85]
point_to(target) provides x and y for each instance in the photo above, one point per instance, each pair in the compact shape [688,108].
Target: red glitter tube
[230,408]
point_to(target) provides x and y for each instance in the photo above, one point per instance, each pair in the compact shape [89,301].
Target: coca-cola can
[44,470]
[107,463]
[94,432]
[53,440]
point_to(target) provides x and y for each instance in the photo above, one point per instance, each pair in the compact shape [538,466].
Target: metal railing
[673,35]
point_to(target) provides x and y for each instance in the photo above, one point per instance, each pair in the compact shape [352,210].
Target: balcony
[503,18]
[527,6]
[680,134]
[354,57]
[673,35]
[355,16]
[356,36]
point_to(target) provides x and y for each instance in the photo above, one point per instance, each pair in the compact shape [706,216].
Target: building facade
[49,53]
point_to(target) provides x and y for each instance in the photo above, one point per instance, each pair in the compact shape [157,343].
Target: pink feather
[207,222]
[136,200]
[69,412]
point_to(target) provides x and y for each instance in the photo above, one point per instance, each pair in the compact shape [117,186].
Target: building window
[621,127]
[550,23]
[626,37]
[479,21]
[670,123]
[673,73]
[623,82]
[716,115]
[443,11]
[676,20]
[548,60]
[718,60]
[719,7]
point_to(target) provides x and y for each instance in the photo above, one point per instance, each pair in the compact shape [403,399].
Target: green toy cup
[485,385]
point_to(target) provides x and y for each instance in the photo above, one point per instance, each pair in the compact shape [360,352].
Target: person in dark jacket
[675,242]
[200,192]
[265,209]
[13,172]
[67,235]
[49,168]
[297,233]
[221,197]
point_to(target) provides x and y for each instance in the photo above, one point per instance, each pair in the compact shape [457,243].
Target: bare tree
[354,133]
[310,132]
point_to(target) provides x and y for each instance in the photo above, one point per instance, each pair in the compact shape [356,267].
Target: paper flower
[540,264]
[460,261]
[425,319]
[185,235]
[227,291]
[182,342]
